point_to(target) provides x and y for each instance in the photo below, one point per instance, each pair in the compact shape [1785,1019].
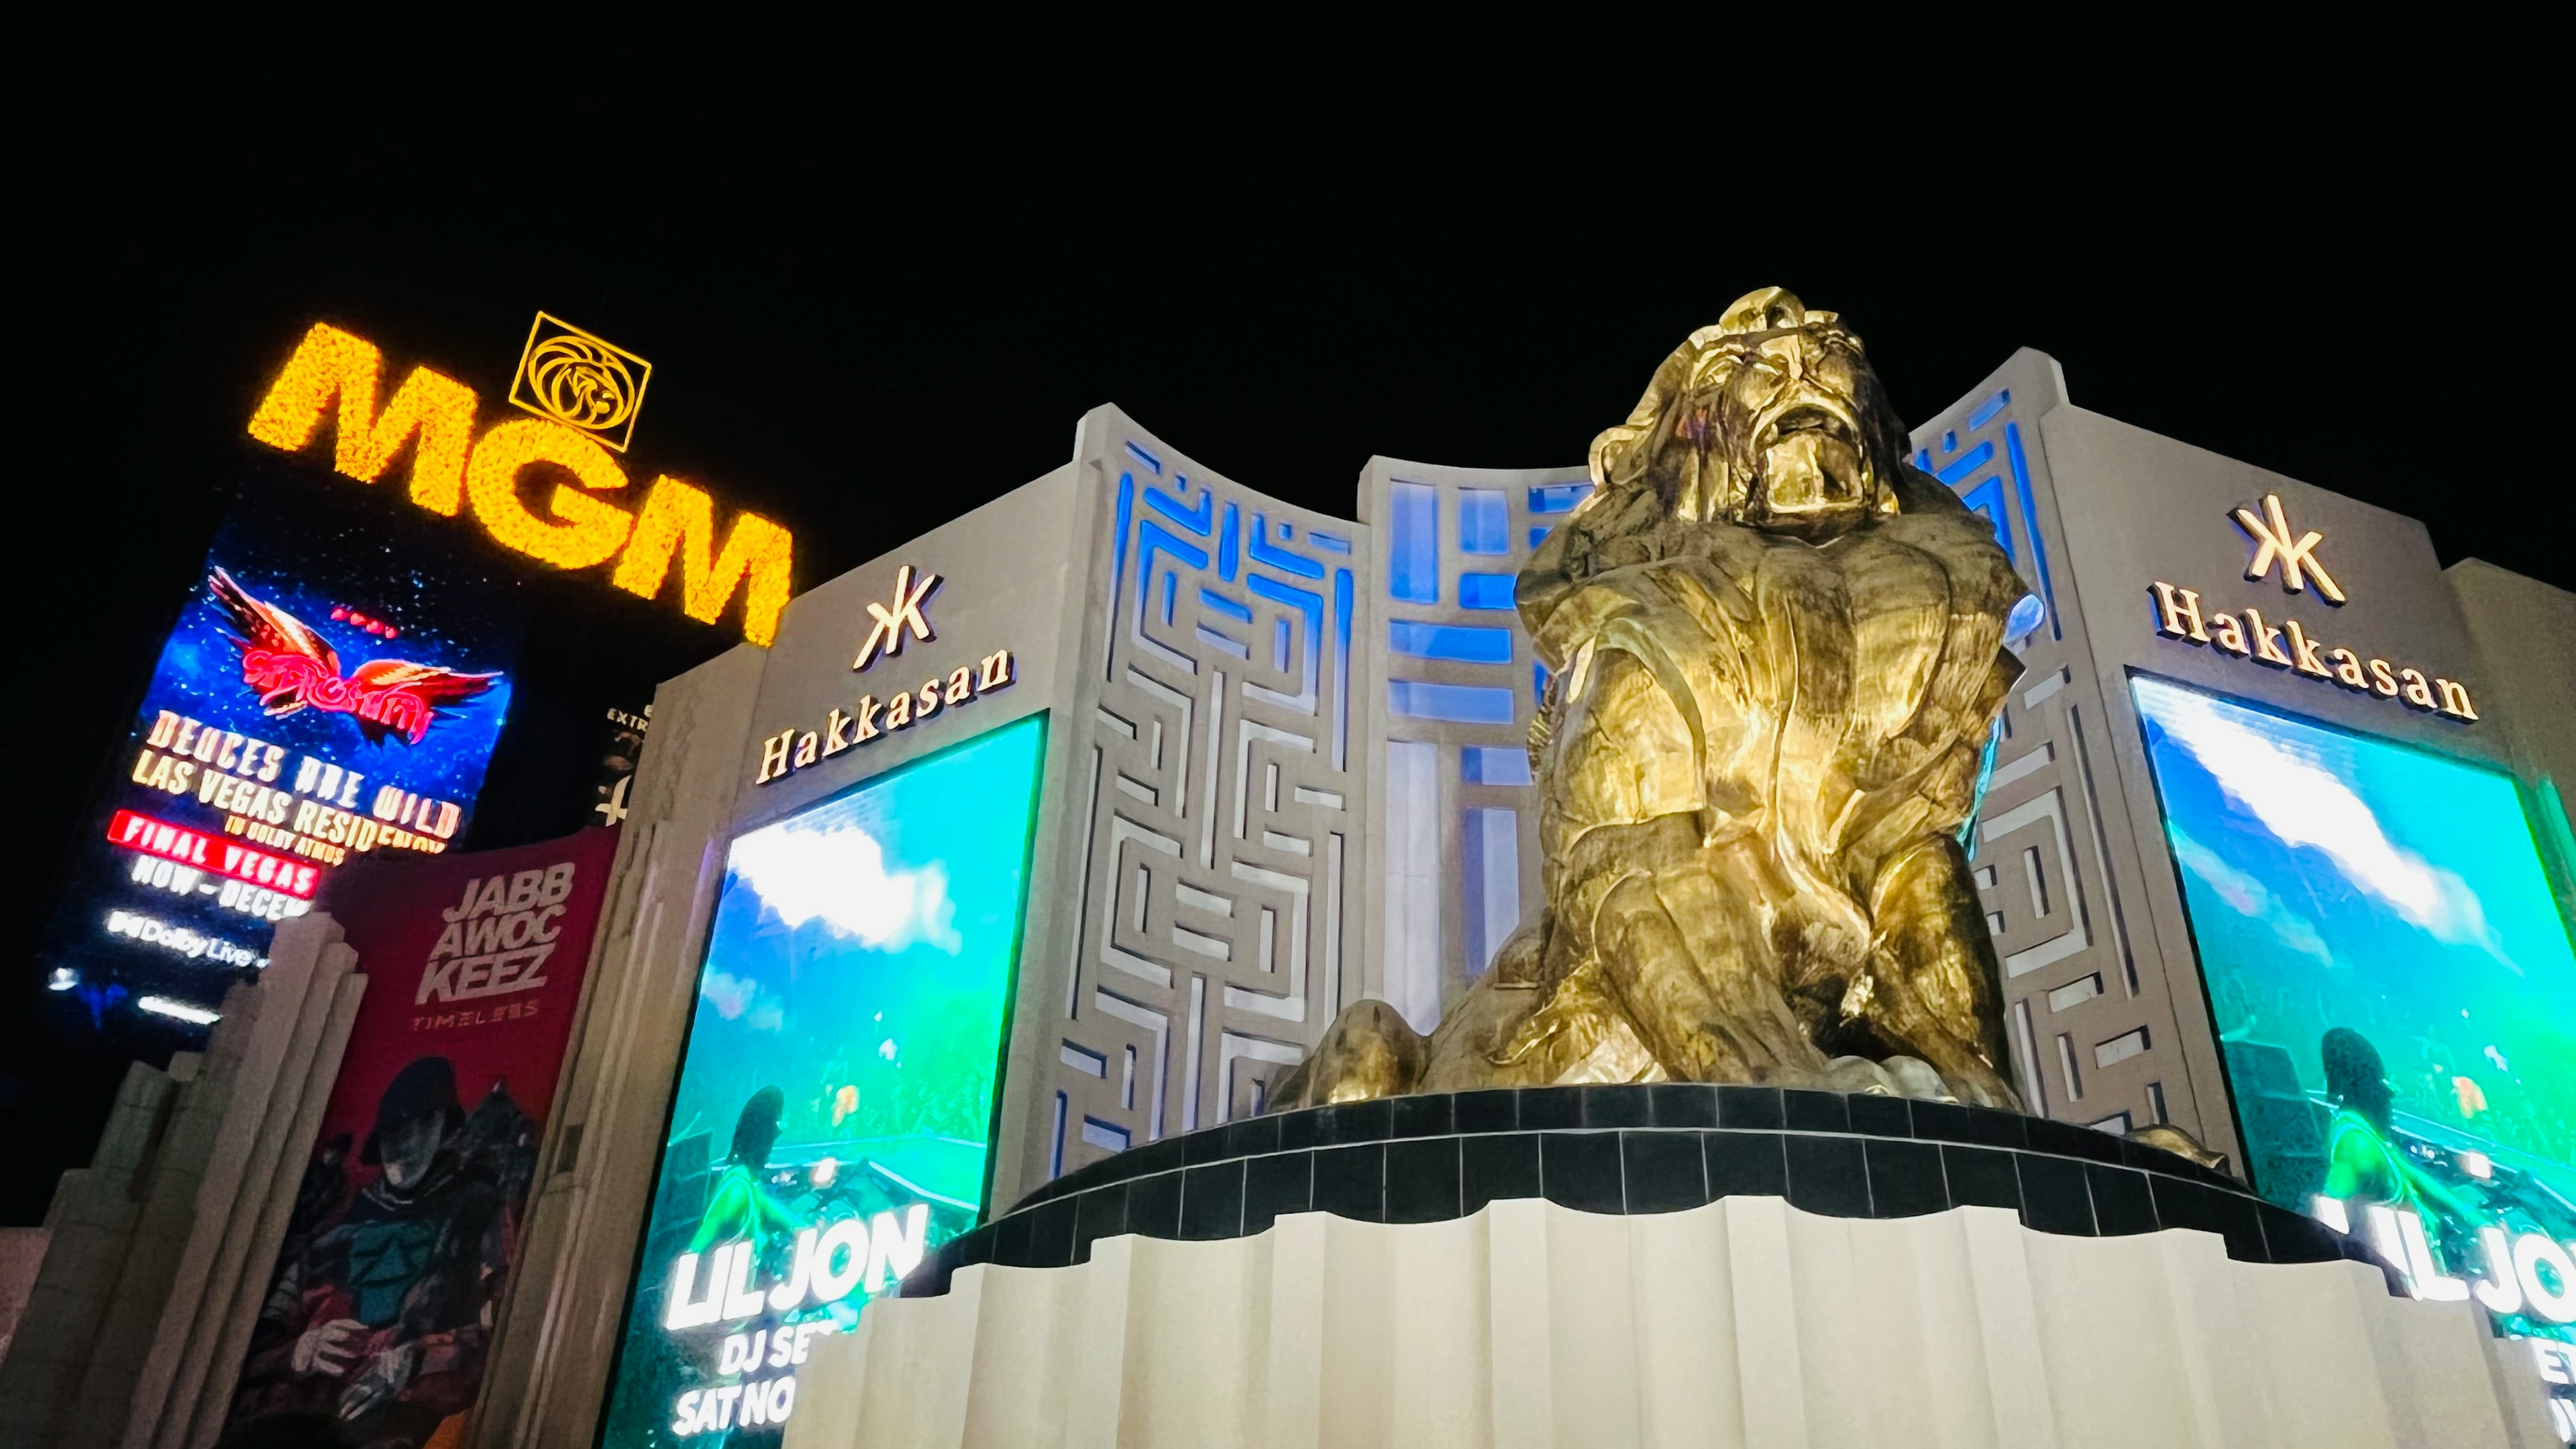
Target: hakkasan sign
[834,1110]
[788,751]
[2287,645]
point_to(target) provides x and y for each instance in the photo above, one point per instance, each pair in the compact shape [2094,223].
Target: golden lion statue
[1777,652]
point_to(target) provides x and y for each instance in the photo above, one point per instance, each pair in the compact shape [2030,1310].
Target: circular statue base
[1657,1265]
[1657,1148]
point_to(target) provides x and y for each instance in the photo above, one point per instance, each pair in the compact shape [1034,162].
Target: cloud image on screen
[838,1083]
[2336,882]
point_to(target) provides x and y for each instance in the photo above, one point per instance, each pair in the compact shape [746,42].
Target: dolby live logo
[870,719]
[2288,645]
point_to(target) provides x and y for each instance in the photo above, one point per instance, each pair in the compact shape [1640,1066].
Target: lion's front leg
[1934,990]
[1685,946]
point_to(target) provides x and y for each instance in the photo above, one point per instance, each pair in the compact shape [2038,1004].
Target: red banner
[210,852]
[380,1307]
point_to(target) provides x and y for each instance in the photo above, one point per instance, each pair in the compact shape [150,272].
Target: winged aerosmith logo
[291,668]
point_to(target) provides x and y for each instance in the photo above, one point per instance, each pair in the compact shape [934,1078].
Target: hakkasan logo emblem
[2286,645]
[871,719]
[885,636]
[580,379]
[2298,559]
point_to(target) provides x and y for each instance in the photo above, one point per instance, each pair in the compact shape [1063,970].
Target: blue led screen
[832,1117]
[2382,951]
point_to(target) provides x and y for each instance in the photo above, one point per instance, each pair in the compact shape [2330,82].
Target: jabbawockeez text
[498,936]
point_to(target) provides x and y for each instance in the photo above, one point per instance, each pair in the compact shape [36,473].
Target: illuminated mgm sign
[312,704]
[580,392]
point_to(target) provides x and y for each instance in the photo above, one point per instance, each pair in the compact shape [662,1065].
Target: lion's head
[1771,418]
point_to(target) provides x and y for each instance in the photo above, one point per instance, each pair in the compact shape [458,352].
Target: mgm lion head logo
[581,380]
[1770,418]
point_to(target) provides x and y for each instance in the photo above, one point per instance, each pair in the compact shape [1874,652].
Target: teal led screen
[833,1112]
[2389,975]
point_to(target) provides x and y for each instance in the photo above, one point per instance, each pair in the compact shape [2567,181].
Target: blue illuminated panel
[1471,810]
[1988,498]
[1485,591]
[1450,641]
[2030,519]
[1413,545]
[1484,522]
[1976,474]
[1558,497]
[1456,703]
[1249,613]
[1223,603]
[1491,882]
[1965,465]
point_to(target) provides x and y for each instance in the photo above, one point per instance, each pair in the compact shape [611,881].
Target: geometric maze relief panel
[1220,904]
[2040,859]
[1461,816]
[2042,869]
[2029,835]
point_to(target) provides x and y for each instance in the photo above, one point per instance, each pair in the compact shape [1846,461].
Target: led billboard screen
[331,689]
[2392,986]
[835,1101]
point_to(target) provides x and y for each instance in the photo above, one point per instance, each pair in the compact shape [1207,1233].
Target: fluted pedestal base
[1743,1322]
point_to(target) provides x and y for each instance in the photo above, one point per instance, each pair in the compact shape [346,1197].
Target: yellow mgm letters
[336,375]
[1776,651]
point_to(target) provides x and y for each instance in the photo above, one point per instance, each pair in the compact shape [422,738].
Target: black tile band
[1664,1147]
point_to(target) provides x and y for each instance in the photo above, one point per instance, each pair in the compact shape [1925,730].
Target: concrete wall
[1199,895]
[90,1227]
[1220,885]
[2156,509]
[22,1252]
[157,1252]
[2060,887]
[555,1340]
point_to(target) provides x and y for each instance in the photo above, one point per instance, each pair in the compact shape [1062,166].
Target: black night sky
[869,341]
